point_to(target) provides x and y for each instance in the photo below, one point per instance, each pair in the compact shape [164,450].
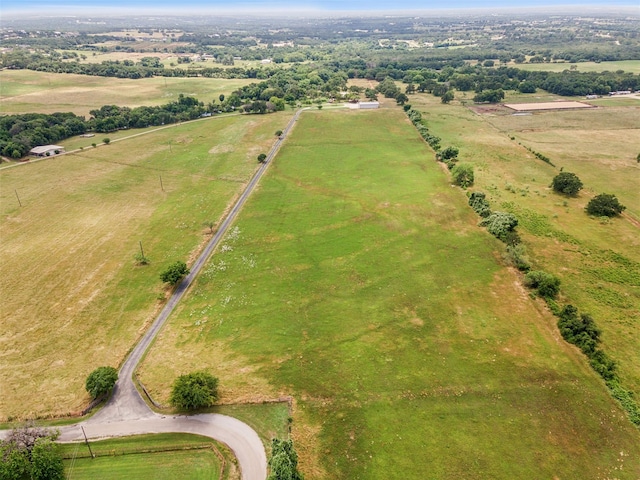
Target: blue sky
[83,6]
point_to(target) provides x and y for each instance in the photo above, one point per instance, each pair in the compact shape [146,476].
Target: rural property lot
[358,281]
[524,107]
[73,298]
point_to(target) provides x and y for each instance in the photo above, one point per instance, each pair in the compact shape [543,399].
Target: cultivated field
[25,91]
[72,297]
[357,281]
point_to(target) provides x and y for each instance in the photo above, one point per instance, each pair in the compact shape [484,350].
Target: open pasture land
[632,66]
[26,91]
[165,456]
[358,282]
[598,262]
[72,297]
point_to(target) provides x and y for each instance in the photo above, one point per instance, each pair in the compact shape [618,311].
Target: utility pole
[161,185]
[19,202]
[87,442]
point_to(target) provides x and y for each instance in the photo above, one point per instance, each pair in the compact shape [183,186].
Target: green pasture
[598,261]
[26,91]
[631,66]
[83,301]
[165,456]
[357,281]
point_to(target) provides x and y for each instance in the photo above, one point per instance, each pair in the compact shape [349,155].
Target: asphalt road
[126,413]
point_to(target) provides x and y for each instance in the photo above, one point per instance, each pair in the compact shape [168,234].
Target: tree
[567,183]
[262,158]
[221,97]
[46,461]
[194,390]
[462,175]
[284,461]
[605,205]
[278,133]
[209,224]
[174,272]
[547,285]
[101,381]
[502,226]
[401,99]
[30,452]
[106,140]
[449,153]
[447,97]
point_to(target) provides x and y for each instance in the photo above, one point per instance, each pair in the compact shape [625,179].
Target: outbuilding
[46,150]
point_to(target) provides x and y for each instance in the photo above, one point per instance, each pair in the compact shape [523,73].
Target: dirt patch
[562,105]
[222,148]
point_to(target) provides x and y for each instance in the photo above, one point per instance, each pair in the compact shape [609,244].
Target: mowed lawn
[26,91]
[597,261]
[357,281]
[156,457]
[73,298]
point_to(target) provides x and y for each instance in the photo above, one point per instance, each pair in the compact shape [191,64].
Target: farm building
[361,105]
[46,150]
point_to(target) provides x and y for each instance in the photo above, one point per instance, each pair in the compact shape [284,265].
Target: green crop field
[357,281]
[165,456]
[25,91]
[73,298]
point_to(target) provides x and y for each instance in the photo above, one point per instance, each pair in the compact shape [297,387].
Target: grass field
[25,91]
[598,262]
[165,456]
[73,298]
[357,281]
[631,66]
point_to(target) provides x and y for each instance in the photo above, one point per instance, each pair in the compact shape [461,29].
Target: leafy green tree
[221,97]
[106,140]
[262,157]
[567,183]
[101,381]
[502,226]
[174,272]
[447,97]
[401,99]
[546,284]
[605,205]
[30,452]
[462,175]
[449,153]
[284,461]
[278,133]
[46,461]
[194,390]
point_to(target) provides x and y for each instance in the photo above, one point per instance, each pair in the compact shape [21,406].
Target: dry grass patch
[75,298]
[25,91]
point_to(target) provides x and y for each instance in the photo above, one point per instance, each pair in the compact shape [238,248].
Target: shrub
[449,152]
[517,256]
[579,330]
[567,183]
[101,381]
[284,461]
[479,203]
[174,272]
[546,284]
[604,205]
[462,175]
[262,157]
[502,226]
[194,390]
[106,140]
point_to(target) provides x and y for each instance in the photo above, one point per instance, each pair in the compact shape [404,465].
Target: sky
[190,6]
